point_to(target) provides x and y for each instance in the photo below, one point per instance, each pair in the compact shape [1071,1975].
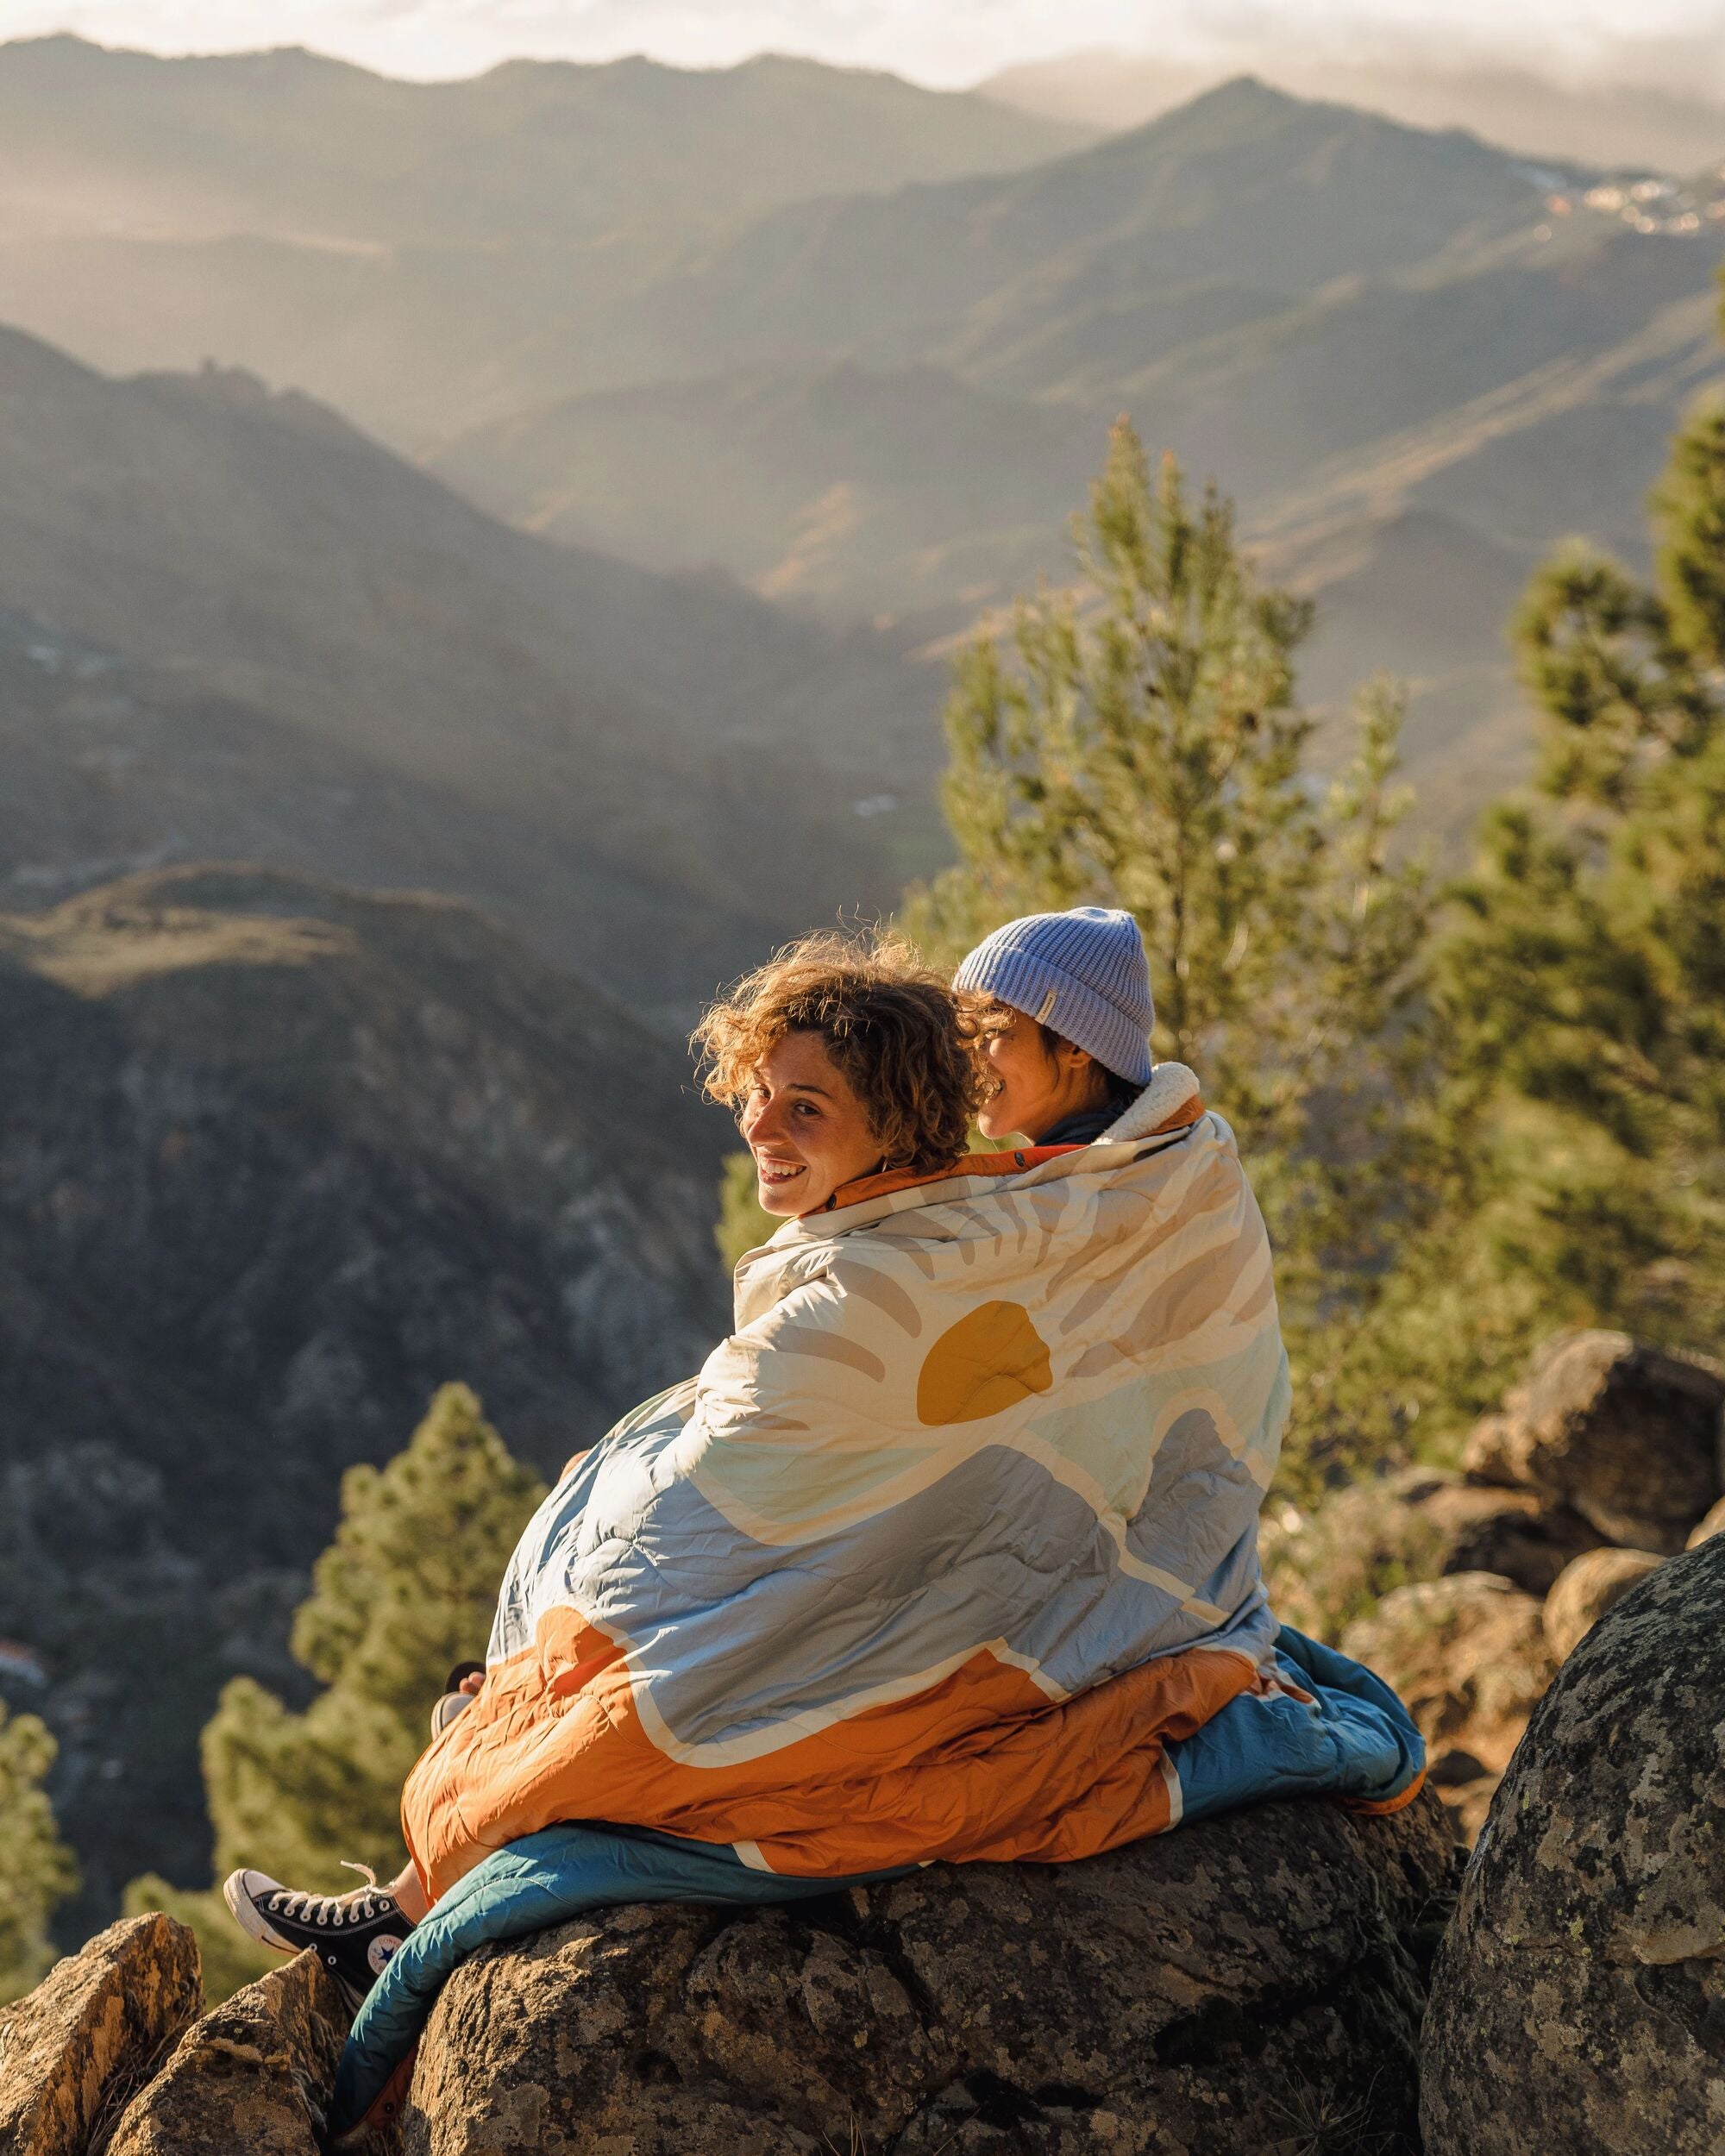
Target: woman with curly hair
[843,1059]
[947,1552]
[846,1061]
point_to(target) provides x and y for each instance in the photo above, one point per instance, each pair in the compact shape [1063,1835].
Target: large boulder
[1511,1532]
[1228,1987]
[1469,1656]
[253,2075]
[73,2050]
[1627,1436]
[1579,2004]
[1586,1589]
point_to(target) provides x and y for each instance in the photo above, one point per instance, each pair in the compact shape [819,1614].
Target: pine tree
[406,1591]
[36,1868]
[1578,988]
[1136,742]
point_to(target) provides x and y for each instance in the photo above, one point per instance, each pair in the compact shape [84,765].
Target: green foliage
[743,1224]
[228,1958]
[1689,512]
[1578,988]
[1136,742]
[406,1591]
[36,1868]
[1467,1127]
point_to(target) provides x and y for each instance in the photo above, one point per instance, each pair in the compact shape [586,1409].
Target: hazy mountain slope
[840,486]
[293,144]
[424,255]
[406,340]
[256,549]
[1620,122]
[1404,443]
[112,765]
[1267,404]
[1244,184]
[924,489]
[888,480]
[1417,548]
[279,1159]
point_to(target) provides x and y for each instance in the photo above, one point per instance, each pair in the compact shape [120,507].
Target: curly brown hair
[904,1040]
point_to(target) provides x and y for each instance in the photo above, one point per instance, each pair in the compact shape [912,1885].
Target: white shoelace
[333,1912]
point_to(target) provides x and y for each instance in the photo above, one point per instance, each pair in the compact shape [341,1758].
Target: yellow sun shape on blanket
[986,1361]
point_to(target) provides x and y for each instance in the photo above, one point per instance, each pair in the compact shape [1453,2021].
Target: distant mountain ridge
[1245,186]
[293,144]
[880,405]
[571,740]
[1373,338]
[419,253]
[1601,121]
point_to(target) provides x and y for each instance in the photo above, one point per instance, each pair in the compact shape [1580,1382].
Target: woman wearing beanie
[1066,1019]
[947,1553]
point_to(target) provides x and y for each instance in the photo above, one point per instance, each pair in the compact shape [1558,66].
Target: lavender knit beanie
[1082,973]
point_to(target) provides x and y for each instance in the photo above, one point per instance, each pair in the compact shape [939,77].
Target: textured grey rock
[1220,1988]
[1627,1436]
[1586,1589]
[255,2075]
[1578,2003]
[73,2049]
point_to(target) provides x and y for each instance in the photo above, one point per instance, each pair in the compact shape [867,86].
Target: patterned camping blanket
[936,1553]
[1314,1724]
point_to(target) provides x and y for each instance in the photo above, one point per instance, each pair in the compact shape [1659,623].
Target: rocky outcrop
[255,2075]
[1587,1588]
[1511,1532]
[1579,2002]
[1437,1580]
[1229,1986]
[1470,1657]
[1624,1434]
[74,2049]
[110,2055]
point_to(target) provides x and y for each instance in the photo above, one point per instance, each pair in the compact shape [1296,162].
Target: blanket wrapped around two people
[948,1552]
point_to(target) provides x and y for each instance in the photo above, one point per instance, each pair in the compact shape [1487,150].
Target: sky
[947,42]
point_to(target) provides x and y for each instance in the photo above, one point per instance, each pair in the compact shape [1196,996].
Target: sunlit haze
[1677,44]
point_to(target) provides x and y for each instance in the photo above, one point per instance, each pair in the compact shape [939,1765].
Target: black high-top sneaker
[353,1934]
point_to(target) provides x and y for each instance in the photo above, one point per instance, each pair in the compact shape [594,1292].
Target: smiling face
[1040,1086]
[804,1124]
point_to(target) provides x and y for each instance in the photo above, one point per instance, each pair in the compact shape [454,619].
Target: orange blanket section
[980,1764]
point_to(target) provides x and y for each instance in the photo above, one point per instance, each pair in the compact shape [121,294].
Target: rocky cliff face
[92,2033]
[278,1159]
